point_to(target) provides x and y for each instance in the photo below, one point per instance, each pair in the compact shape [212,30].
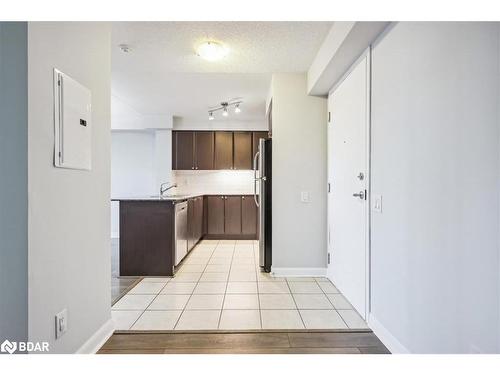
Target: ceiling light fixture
[211,51]
[224,108]
[125,48]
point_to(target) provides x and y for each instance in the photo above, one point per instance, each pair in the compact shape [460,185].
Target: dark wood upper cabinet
[209,150]
[204,150]
[248,215]
[255,141]
[215,219]
[184,150]
[232,215]
[223,150]
[242,150]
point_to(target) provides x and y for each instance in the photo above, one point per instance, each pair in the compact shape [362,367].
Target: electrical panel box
[72,123]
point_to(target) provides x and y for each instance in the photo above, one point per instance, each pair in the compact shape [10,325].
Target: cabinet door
[232,215]
[204,146]
[184,148]
[223,150]
[215,208]
[191,225]
[255,141]
[242,150]
[248,215]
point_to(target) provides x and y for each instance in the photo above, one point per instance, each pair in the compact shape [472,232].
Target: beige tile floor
[219,286]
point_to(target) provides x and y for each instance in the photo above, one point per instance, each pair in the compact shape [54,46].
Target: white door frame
[366,54]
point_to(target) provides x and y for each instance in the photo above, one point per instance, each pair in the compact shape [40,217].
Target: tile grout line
[192,292]
[143,311]
[227,282]
[331,303]
[295,302]
[257,270]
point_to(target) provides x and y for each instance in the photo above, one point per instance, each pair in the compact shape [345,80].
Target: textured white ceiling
[163,74]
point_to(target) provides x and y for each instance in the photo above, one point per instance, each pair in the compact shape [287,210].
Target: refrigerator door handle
[255,179]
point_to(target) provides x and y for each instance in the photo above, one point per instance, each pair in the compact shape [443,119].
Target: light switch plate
[61,323]
[304,197]
[377,203]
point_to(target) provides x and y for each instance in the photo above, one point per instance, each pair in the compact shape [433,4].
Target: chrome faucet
[163,189]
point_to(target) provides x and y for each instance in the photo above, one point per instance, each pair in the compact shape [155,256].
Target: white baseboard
[394,346]
[94,343]
[297,272]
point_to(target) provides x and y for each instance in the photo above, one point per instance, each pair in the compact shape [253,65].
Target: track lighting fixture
[224,106]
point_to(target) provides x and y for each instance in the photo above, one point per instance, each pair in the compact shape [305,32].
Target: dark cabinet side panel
[248,215]
[174,150]
[199,215]
[204,146]
[215,214]
[232,215]
[184,150]
[191,224]
[223,150]
[242,150]
[146,239]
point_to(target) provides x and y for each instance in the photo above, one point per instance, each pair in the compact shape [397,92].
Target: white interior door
[348,178]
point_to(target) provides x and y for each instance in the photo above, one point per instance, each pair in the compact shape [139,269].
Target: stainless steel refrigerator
[263,199]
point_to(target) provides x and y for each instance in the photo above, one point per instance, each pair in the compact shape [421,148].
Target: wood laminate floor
[262,342]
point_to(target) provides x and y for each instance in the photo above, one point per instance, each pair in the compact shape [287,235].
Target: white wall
[435,160]
[299,164]
[132,169]
[229,124]
[124,117]
[343,45]
[163,157]
[69,244]
[14,184]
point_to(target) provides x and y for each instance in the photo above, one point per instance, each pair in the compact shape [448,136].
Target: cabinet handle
[242,197]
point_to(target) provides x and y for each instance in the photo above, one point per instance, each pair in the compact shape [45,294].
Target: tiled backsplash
[213,182]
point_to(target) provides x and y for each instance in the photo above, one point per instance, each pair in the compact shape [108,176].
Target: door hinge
[329,116]
[329,187]
[365,195]
[328,258]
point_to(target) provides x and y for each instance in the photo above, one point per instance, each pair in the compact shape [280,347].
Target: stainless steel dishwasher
[181,231]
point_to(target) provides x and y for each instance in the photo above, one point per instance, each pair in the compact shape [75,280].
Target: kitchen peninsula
[157,233]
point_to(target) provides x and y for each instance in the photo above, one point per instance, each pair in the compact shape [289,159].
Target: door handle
[257,154]
[360,195]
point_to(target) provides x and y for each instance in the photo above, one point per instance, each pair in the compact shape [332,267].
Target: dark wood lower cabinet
[248,215]
[215,214]
[232,215]
[146,238]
